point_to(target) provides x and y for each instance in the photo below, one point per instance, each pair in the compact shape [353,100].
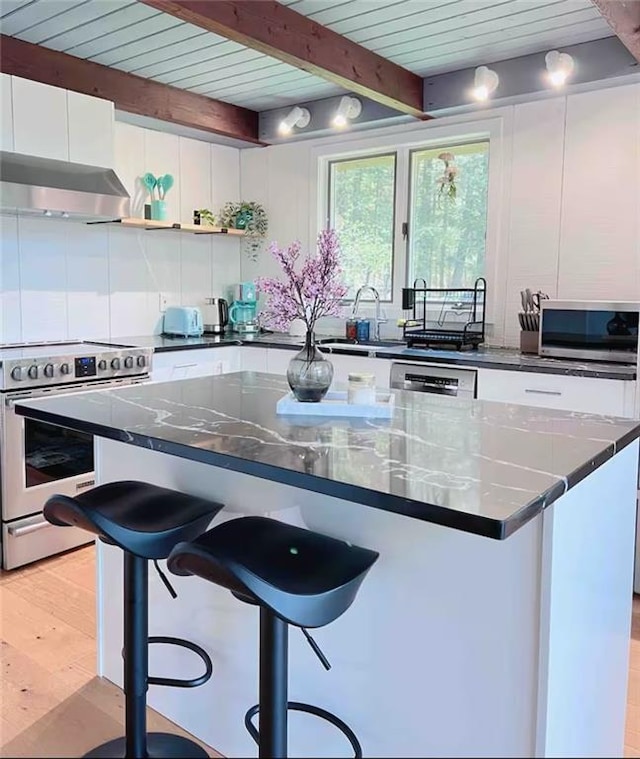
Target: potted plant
[312,288]
[249,216]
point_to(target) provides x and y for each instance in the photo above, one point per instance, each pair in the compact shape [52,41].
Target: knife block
[529,342]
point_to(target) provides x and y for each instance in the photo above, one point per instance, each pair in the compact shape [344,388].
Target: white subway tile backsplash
[43,278]
[10,316]
[88,281]
[62,280]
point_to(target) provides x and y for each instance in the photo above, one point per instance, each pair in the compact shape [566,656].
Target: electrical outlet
[162,302]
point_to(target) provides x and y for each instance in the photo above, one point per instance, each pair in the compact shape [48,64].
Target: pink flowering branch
[308,292]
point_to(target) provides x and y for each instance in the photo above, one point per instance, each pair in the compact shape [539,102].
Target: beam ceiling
[623,16]
[129,92]
[282,33]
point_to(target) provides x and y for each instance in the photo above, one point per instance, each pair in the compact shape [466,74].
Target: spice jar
[362,389]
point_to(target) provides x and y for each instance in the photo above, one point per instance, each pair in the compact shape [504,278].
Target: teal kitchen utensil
[165,183]
[150,182]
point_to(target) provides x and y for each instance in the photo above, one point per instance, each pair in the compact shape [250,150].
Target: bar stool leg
[273,686]
[136,660]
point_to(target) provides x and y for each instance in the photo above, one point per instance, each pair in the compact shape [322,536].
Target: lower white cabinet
[278,360]
[344,365]
[200,362]
[253,359]
[559,391]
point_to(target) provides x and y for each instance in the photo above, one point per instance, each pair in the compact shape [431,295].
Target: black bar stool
[146,521]
[297,577]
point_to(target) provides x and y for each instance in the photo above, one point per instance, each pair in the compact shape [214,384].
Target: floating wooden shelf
[153,226]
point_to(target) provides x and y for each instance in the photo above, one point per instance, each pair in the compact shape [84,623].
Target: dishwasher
[437,380]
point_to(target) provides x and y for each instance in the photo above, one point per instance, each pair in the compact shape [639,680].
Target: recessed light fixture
[484,83]
[297,117]
[559,67]
[350,108]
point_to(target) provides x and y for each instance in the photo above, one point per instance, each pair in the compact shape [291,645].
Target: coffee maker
[243,312]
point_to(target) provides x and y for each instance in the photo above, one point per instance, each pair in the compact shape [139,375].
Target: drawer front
[585,394]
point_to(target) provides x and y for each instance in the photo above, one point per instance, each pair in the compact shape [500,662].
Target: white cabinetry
[40,125]
[278,360]
[50,122]
[6,113]
[343,365]
[585,394]
[201,362]
[91,123]
[253,359]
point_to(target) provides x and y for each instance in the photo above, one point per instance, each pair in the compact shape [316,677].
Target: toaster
[185,321]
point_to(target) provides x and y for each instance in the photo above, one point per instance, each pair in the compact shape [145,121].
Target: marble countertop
[486,357]
[481,467]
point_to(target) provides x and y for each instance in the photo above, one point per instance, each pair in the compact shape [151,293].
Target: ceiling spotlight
[484,83]
[559,67]
[297,117]
[350,108]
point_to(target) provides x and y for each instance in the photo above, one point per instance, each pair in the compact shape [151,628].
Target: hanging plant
[447,181]
[252,218]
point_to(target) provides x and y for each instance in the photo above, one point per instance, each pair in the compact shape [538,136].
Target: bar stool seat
[297,577]
[146,522]
[144,519]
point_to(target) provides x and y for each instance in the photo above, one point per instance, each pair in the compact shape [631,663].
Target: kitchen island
[496,621]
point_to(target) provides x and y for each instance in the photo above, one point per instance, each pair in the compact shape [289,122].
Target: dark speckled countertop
[485,468]
[489,358]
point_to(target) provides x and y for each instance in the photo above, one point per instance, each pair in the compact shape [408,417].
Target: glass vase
[309,373]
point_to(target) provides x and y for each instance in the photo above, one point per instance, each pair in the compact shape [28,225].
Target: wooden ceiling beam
[129,92]
[282,33]
[623,16]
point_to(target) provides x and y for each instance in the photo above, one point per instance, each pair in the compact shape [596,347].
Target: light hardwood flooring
[52,704]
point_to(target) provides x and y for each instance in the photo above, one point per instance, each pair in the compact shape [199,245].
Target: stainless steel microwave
[595,330]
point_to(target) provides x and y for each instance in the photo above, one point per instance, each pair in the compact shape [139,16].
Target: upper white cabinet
[6,113]
[40,124]
[51,122]
[600,221]
[91,123]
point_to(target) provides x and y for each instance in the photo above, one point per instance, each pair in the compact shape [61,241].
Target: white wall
[564,203]
[63,279]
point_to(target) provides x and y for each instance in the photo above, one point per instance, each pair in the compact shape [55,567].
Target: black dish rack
[451,317]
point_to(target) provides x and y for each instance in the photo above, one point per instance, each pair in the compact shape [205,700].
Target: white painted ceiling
[425,36]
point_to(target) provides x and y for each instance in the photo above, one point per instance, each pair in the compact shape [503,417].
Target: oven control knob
[33,371]
[48,370]
[128,362]
[65,369]
[17,373]
[115,363]
[102,365]
[142,361]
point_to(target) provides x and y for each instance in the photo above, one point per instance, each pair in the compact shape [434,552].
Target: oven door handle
[18,532]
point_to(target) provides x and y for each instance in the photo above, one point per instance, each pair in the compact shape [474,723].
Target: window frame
[493,126]
[346,159]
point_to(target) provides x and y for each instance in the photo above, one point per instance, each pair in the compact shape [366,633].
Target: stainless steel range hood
[42,186]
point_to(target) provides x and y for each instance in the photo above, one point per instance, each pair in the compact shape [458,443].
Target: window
[361,209]
[446,234]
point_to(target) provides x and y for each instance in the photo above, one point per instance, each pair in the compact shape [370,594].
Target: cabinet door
[587,394]
[6,113]
[278,360]
[40,125]
[343,365]
[90,130]
[253,359]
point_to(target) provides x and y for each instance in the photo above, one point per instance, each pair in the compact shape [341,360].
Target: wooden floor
[52,704]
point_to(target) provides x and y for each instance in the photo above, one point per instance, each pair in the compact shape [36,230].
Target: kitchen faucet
[377,320]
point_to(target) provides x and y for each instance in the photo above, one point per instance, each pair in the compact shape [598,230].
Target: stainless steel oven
[589,330]
[39,459]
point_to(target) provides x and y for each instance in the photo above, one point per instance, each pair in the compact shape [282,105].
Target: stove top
[30,365]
